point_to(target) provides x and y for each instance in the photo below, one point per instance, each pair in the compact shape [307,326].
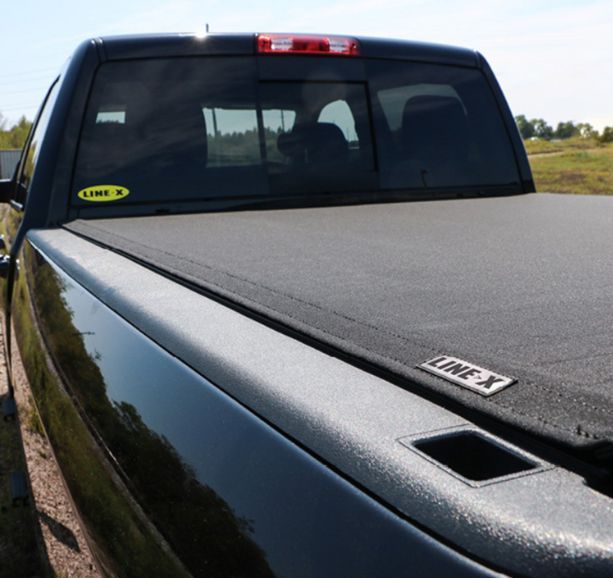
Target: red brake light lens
[302,44]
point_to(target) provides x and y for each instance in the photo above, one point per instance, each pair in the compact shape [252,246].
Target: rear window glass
[191,129]
[438,127]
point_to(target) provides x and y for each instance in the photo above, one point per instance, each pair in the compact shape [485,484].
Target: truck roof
[168,45]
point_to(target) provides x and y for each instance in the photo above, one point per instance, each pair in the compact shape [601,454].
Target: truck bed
[519,285]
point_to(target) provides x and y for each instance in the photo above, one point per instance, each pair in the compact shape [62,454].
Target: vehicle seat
[320,143]
[435,133]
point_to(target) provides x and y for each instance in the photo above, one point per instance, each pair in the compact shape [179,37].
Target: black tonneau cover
[522,286]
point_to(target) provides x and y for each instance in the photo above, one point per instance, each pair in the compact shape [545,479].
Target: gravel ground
[64,539]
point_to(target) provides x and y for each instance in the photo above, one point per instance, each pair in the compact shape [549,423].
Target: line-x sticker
[103,193]
[467,374]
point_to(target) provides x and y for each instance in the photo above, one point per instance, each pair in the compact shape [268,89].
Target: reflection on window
[111,114]
[232,136]
[28,166]
[276,122]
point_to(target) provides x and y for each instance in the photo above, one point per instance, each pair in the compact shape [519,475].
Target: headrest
[431,113]
[318,142]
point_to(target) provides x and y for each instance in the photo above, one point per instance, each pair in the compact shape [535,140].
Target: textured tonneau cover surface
[521,286]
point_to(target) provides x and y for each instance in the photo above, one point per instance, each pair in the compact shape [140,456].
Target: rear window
[193,129]
[438,127]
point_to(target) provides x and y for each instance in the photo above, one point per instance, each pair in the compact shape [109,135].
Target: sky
[553,59]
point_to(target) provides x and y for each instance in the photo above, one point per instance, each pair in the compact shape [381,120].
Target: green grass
[33,422]
[577,166]
[553,146]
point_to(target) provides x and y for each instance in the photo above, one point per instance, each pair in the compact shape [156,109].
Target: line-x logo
[467,374]
[103,193]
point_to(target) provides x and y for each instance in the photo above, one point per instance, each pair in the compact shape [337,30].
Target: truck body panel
[358,424]
[150,444]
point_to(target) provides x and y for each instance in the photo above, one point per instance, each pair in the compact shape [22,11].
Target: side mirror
[6,190]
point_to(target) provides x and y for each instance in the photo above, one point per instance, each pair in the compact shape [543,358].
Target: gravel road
[65,545]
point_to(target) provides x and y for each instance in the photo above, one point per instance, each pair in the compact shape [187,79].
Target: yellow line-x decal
[103,193]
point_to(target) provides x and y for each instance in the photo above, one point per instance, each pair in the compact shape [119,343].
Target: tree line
[538,128]
[15,136]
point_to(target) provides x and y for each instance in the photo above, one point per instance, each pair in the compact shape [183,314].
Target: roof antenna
[206,28]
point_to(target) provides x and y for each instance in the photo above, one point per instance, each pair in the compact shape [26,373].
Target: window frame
[21,192]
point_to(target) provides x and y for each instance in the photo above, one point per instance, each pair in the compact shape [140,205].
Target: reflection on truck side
[199,525]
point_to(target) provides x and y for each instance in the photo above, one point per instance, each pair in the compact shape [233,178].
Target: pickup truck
[289,306]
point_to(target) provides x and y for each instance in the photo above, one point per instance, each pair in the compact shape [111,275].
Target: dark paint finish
[168,45]
[162,45]
[231,495]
